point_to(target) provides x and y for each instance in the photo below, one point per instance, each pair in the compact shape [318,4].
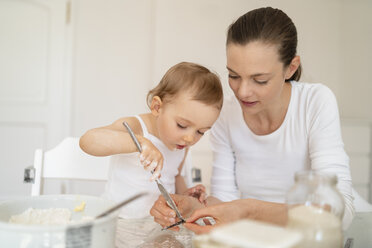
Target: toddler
[183,106]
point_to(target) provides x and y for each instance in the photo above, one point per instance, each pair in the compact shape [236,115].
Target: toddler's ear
[156,104]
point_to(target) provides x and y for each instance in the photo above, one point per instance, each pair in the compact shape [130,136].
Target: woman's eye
[233,76]
[261,82]
[180,126]
[201,133]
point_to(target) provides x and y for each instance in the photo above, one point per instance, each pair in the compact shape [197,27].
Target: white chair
[65,161]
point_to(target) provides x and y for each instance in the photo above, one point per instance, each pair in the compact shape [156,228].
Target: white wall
[112,60]
[122,48]
[356,66]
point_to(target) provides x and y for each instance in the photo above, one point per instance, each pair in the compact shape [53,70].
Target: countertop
[146,233]
[361,230]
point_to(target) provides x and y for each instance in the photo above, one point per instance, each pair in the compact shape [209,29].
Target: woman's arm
[226,212]
[326,148]
[223,180]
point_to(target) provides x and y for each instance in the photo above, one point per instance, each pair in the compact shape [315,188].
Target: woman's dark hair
[267,25]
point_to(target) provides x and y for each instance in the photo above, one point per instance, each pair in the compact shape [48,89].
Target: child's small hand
[198,192]
[151,158]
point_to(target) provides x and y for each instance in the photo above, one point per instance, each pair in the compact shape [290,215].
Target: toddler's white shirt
[127,177]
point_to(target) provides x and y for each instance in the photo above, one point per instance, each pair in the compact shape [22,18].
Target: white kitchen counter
[361,230]
[146,233]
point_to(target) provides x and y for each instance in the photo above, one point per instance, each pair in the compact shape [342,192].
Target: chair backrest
[68,161]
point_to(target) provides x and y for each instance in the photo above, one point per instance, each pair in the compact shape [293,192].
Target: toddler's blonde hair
[204,85]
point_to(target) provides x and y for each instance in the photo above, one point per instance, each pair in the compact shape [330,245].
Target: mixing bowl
[93,233]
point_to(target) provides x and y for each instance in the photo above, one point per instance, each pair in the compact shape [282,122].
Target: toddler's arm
[198,192]
[109,140]
[181,186]
[114,139]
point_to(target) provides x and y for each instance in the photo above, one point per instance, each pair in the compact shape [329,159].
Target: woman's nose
[245,90]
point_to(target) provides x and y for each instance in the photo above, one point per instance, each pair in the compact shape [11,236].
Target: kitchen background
[69,65]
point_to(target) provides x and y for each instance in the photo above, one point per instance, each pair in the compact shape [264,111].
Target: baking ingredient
[320,228]
[50,216]
[80,207]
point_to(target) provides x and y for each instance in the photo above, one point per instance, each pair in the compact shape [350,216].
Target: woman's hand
[166,216]
[274,213]
[222,213]
[197,192]
[151,158]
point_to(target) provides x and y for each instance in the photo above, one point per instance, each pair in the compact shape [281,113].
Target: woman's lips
[180,147]
[248,104]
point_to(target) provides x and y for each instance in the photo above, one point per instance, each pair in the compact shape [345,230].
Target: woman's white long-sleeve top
[246,165]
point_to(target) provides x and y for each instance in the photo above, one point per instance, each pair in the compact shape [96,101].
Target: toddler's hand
[151,158]
[198,192]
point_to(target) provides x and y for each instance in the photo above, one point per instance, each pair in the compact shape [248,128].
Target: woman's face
[256,76]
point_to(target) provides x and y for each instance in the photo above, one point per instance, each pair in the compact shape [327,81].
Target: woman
[272,128]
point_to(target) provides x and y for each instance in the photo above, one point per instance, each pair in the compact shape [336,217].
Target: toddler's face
[182,121]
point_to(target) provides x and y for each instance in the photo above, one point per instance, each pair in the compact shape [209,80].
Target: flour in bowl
[50,216]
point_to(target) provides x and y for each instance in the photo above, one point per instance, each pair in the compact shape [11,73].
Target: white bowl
[95,233]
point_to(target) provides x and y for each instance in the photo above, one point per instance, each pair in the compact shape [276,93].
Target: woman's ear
[156,105]
[292,68]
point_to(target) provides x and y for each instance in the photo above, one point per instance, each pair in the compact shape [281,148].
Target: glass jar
[316,208]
